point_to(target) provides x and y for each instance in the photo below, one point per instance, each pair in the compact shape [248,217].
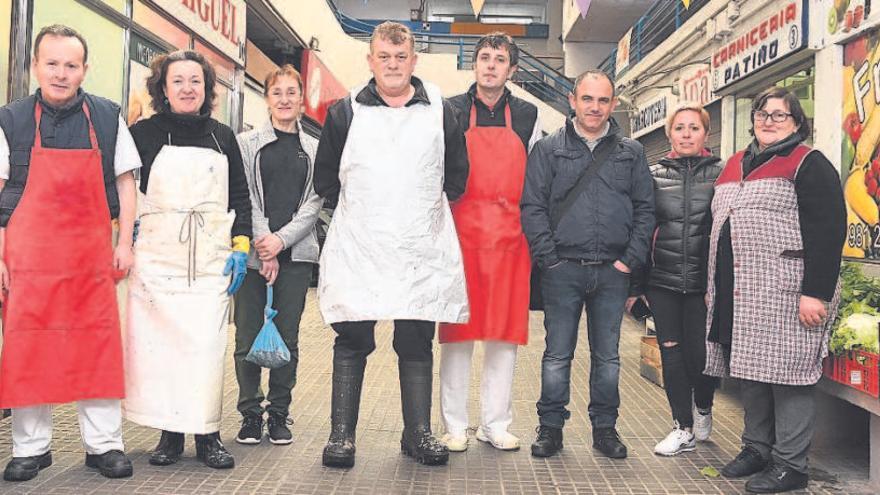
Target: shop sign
[623,50]
[142,50]
[651,115]
[694,84]
[220,22]
[321,88]
[859,161]
[846,18]
[770,38]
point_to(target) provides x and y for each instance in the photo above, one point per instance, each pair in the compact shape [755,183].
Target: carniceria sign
[770,38]
[651,115]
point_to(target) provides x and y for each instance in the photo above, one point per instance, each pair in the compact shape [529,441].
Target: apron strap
[38,117]
[189,233]
[507,121]
[219,149]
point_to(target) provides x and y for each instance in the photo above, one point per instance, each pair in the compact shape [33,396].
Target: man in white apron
[390,155]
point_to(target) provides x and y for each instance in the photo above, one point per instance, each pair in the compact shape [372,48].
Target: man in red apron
[501,130]
[61,334]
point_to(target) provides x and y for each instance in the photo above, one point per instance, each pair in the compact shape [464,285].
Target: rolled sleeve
[126,157]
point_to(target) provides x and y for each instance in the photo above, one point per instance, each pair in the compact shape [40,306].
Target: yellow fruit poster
[860,158]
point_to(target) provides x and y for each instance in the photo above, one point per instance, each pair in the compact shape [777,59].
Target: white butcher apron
[392,251]
[177,306]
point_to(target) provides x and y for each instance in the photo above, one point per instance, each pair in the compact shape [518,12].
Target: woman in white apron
[196,202]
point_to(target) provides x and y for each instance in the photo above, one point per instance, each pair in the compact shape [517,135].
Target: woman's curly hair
[156,81]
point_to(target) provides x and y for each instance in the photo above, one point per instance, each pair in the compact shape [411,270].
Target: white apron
[392,251]
[177,307]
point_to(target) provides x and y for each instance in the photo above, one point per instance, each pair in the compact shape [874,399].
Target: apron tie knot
[189,233]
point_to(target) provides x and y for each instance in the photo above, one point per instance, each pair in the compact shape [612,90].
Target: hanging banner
[220,22]
[694,84]
[622,59]
[859,163]
[651,115]
[760,43]
[687,3]
[477,5]
[583,6]
[321,88]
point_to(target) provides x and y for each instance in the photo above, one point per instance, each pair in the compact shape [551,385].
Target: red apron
[61,334]
[496,256]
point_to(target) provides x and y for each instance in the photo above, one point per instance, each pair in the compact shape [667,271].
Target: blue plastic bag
[269,349]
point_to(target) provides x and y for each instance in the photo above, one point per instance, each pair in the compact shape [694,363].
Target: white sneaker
[501,441]
[676,442]
[455,443]
[702,424]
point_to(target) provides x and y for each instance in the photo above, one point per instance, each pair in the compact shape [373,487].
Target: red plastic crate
[857,369]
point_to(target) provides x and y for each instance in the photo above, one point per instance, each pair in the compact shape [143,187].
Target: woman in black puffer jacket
[674,280]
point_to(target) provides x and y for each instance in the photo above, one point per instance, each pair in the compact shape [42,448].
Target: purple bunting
[583,6]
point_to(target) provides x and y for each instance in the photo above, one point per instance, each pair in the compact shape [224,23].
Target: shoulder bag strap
[603,151]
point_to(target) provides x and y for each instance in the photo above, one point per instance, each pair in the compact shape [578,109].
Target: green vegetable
[858,315]
[856,331]
[710,472]
[847,155]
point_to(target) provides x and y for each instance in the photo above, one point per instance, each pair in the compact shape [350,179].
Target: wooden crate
[650,366]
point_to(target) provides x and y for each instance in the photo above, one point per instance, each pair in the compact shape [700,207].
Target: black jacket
[611,220]
[335,133]
[523,115]
[683,189]
[152,134]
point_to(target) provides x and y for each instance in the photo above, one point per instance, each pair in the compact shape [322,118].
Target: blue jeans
[567,288]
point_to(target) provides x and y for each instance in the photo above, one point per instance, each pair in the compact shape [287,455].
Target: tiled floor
[382,469]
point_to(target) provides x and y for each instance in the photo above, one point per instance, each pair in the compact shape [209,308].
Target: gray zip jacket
[299,233]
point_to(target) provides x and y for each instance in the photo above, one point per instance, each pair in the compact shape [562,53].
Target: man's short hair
[62,31]
[394,32]
[498,41]
[593,73]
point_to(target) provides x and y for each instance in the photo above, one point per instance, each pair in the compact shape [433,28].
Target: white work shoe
[501,441]
[455,443]
[676,442]
[702,424]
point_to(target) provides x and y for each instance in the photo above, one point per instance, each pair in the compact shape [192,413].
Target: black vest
[69,130]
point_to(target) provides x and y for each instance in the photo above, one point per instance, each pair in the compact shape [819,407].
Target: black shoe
[26,468]
[251,431]
[279,433]
[607,441]
[415,398]
[748,462]
[548,443]
[169,449]
[210,450]
[111,464]
[348,378]
[776,478]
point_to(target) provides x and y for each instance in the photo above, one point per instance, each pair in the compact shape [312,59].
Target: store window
[155,23]
[5,27]
[802,84]
[105,40]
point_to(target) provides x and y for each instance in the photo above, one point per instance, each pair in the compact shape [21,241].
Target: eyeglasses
[777,116]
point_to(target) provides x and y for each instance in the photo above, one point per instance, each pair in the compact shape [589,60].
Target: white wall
[580,56]
[375,9]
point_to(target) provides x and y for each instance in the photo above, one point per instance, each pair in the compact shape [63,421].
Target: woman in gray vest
[278,161]
[779,223]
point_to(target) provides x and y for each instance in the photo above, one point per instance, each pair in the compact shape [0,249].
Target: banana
[856,194]
[853,220]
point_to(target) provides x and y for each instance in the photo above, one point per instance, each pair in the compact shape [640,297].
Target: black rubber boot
[169,449]
[26,468]
[415,399]
[348,379]
[210,450]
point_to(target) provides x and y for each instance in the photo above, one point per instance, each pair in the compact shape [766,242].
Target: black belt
[584,262]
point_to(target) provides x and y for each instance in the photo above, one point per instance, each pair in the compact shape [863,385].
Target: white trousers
[100,424]
[499,363]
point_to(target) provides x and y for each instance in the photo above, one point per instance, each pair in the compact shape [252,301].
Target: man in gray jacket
[600,230]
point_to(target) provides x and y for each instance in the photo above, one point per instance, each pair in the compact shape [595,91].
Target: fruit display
[847,15]
[860,148]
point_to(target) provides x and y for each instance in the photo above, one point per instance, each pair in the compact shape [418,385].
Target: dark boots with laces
[348,378]
[415,397]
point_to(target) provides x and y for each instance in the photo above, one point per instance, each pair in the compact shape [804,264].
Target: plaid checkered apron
[769,343]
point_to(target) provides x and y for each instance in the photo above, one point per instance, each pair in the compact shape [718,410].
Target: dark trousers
[289,295]
[413,340]
[567,289]
[681,318]
[779,421]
